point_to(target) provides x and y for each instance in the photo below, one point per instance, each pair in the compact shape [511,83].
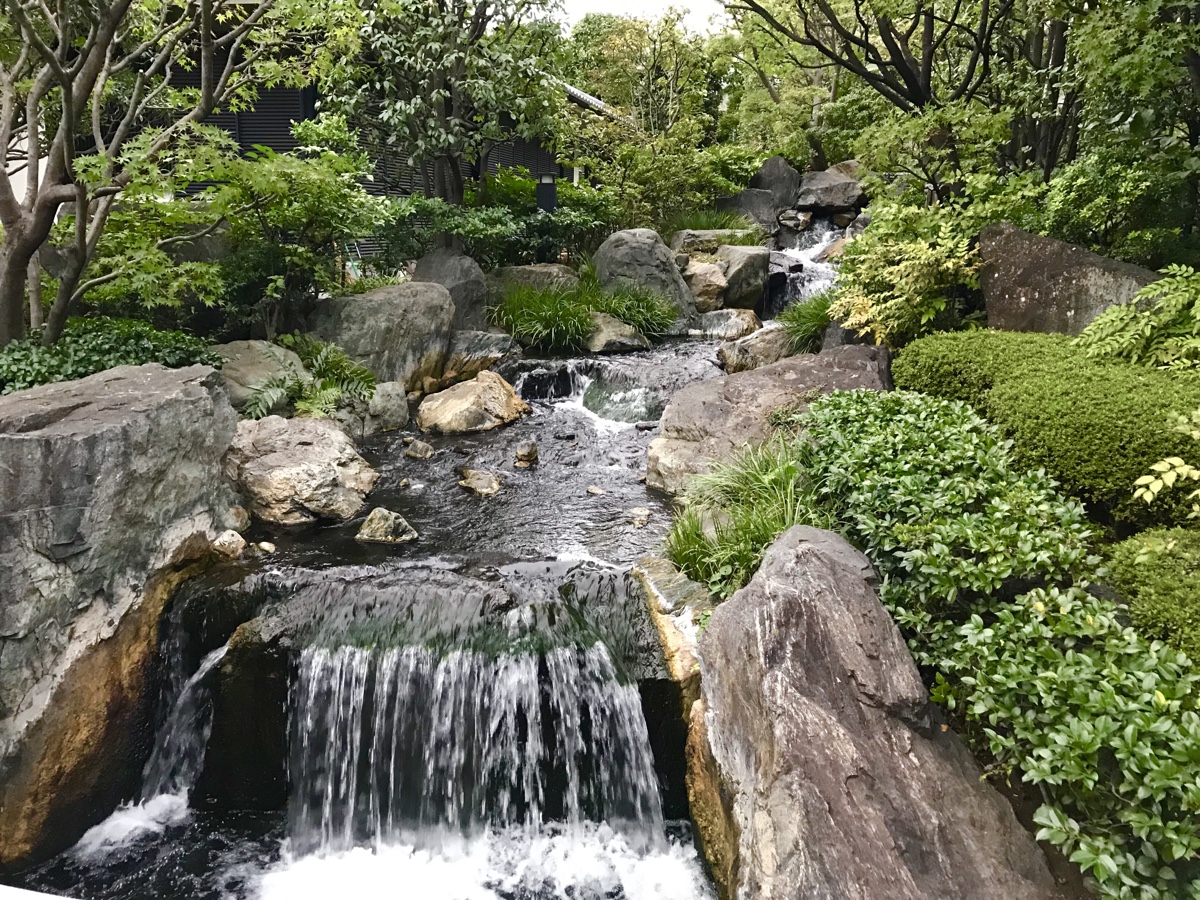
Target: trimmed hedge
[1095,427]
[1158,572]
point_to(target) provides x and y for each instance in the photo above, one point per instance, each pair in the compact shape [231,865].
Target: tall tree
[91,89]
[438,81]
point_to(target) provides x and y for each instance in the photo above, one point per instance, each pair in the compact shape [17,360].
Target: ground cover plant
[88,346]
[986,567]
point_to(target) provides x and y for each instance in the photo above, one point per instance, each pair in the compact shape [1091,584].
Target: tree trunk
[15,254]
[35,293]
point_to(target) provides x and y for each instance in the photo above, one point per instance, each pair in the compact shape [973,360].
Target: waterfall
[388,743]
[169,774]
[812,276]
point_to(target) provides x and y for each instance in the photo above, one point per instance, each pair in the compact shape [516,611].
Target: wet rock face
[639,258]
[400,332]
[108,486]
[471,352]
[296,471]
[823,754]
[485,402]
[729,324]
[1034,283]
[714,419]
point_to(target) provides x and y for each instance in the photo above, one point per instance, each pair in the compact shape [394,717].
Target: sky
[698,11]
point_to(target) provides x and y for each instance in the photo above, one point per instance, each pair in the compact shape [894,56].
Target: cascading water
[811,276]
[169,774]
[530,774]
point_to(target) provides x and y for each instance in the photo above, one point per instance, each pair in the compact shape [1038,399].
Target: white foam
[132,823]
[554,865]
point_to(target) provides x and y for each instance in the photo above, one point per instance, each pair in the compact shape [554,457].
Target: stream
[471,715]
[482,714]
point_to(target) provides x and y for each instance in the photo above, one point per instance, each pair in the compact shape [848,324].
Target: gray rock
[611,335]
[229,544]
[471,352]
[759,204]
[1033,283]
[387,410]
[383,526]
[706,241]
[527,453]
[728,324]
[707,283]
[843,219]
[538,275]
[109,486]
[639,257]
[400,332]
[830,191]
[851,168]
[769,344]
[462,277]
[816,766]
[295,471]
[859,225]
[485,402]
[419,450]
[249,364]
[746,273]
[779,177]
[714,419]
[479,482]
[795,220]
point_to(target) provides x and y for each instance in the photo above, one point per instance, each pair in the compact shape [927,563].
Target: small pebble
[419,450]
[596,491]
[266,547]
[408,439]
[564,435]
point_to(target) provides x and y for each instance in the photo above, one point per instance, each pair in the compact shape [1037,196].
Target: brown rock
[481,404]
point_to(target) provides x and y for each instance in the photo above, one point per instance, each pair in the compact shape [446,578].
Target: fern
[1160,327]
[330,377]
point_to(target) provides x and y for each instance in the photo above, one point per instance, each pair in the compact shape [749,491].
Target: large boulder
[611,335]
[828,191]
[728,324]
[757,203]
[746,273]
[816,765]
[296,471]
[779,177]
[707,282]
[387,410]
[1033,283]
[769,344]
[537,275]
[716,418]
[471,352]
[249,364]
[485,402]
[400,332]
[639,258]
[109,486]
[462,277]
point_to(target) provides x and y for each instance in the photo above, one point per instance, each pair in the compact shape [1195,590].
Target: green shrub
[904,276]
[806,321]
[1096,428]
[330,377]
[1159,327]
[548,320]
[984,566]
[710,220]
[88,346]
[1158,572]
